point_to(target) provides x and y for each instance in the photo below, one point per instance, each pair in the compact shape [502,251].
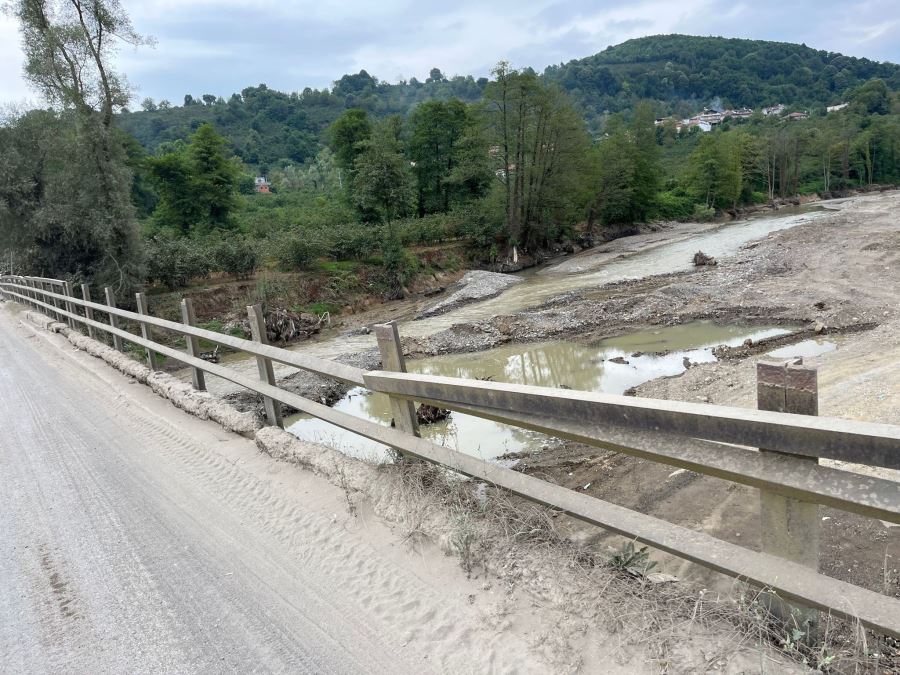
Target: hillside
[693,71]
[681,72]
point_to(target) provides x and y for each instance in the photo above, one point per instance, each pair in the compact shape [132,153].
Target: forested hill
[682,73]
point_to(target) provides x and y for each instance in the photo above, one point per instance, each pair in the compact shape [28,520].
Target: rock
[819,327]
[819,305]
[748,342]
[686,362]
[618,359]
[700,258]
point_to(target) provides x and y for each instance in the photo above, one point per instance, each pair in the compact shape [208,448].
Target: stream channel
[651,353]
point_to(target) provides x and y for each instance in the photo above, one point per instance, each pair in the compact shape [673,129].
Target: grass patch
[337,266]
[320,307]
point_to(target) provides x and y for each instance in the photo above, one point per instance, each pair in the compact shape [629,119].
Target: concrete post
[67,291]
[263,364]
[193,344]
[88,312]
[789,527]
[29,293]
[113,319]
[53,301]
[146,332]
[404,411]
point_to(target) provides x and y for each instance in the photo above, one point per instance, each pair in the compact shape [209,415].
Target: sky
[221,46]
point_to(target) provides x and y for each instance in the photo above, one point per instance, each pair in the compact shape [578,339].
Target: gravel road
[134,538]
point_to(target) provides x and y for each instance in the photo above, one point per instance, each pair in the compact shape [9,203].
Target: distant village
[709,118]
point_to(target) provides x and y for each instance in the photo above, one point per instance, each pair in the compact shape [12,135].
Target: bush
[703,213]
[174,262]
[236,256]
[674,205]
[295,249]
[351,241]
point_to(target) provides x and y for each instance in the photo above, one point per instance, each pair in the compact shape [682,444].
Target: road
[134,538]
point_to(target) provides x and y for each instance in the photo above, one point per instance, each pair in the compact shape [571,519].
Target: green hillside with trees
[371,185]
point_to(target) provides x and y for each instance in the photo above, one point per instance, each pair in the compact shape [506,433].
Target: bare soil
[838,275]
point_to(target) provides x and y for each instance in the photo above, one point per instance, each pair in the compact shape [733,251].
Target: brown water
[549,364]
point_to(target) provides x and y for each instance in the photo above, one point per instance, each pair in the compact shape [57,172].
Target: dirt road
[134,538]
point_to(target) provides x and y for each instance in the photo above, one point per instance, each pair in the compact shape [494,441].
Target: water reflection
[639,357]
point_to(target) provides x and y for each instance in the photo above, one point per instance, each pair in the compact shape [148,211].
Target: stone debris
[475,285]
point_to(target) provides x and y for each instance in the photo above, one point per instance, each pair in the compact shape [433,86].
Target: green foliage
[197,184]
[236,256]
[703,214]
[675,204]
[65,177]
[382,183]
[65,199]
[294,249]
[628,558]
[347,134]
[538,146]
[449,155]
[680,68]
[175,262]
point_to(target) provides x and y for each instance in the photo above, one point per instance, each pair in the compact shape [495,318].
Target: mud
[182,395]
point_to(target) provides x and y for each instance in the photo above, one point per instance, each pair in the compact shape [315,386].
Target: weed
[630,559]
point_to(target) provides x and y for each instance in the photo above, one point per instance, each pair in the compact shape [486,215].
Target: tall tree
[382,183]
[346,134]
[539,145]
[84,224]
[441,144]
[197,184]
[646,171]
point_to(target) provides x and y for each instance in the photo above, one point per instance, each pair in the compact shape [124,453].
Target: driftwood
[429,414]
[700,258]
[282,325]
[212,357]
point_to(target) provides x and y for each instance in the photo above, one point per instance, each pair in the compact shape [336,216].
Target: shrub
[236,256]
[674,205]
[703,213]
[174,262]
[351,241]
[294,249]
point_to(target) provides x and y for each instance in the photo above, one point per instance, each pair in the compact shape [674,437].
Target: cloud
[222,46]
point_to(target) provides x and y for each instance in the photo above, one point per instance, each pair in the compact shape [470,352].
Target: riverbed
[612,366]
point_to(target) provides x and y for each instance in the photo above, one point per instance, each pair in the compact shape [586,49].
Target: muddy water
[549,364]
[589,270]
[805,349]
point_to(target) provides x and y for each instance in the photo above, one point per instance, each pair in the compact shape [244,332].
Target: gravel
[476,285]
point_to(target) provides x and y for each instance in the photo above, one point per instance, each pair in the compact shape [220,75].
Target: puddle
[549,364]
[805,349]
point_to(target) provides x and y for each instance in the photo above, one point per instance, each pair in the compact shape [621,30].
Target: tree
[346,135]
[197,184]
[539,146]
[645,172]
[83,224]
[148,105]
[613,177]
[209,99]
[382,188]
[442,146]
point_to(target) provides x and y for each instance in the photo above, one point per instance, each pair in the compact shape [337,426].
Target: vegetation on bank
[368,178]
